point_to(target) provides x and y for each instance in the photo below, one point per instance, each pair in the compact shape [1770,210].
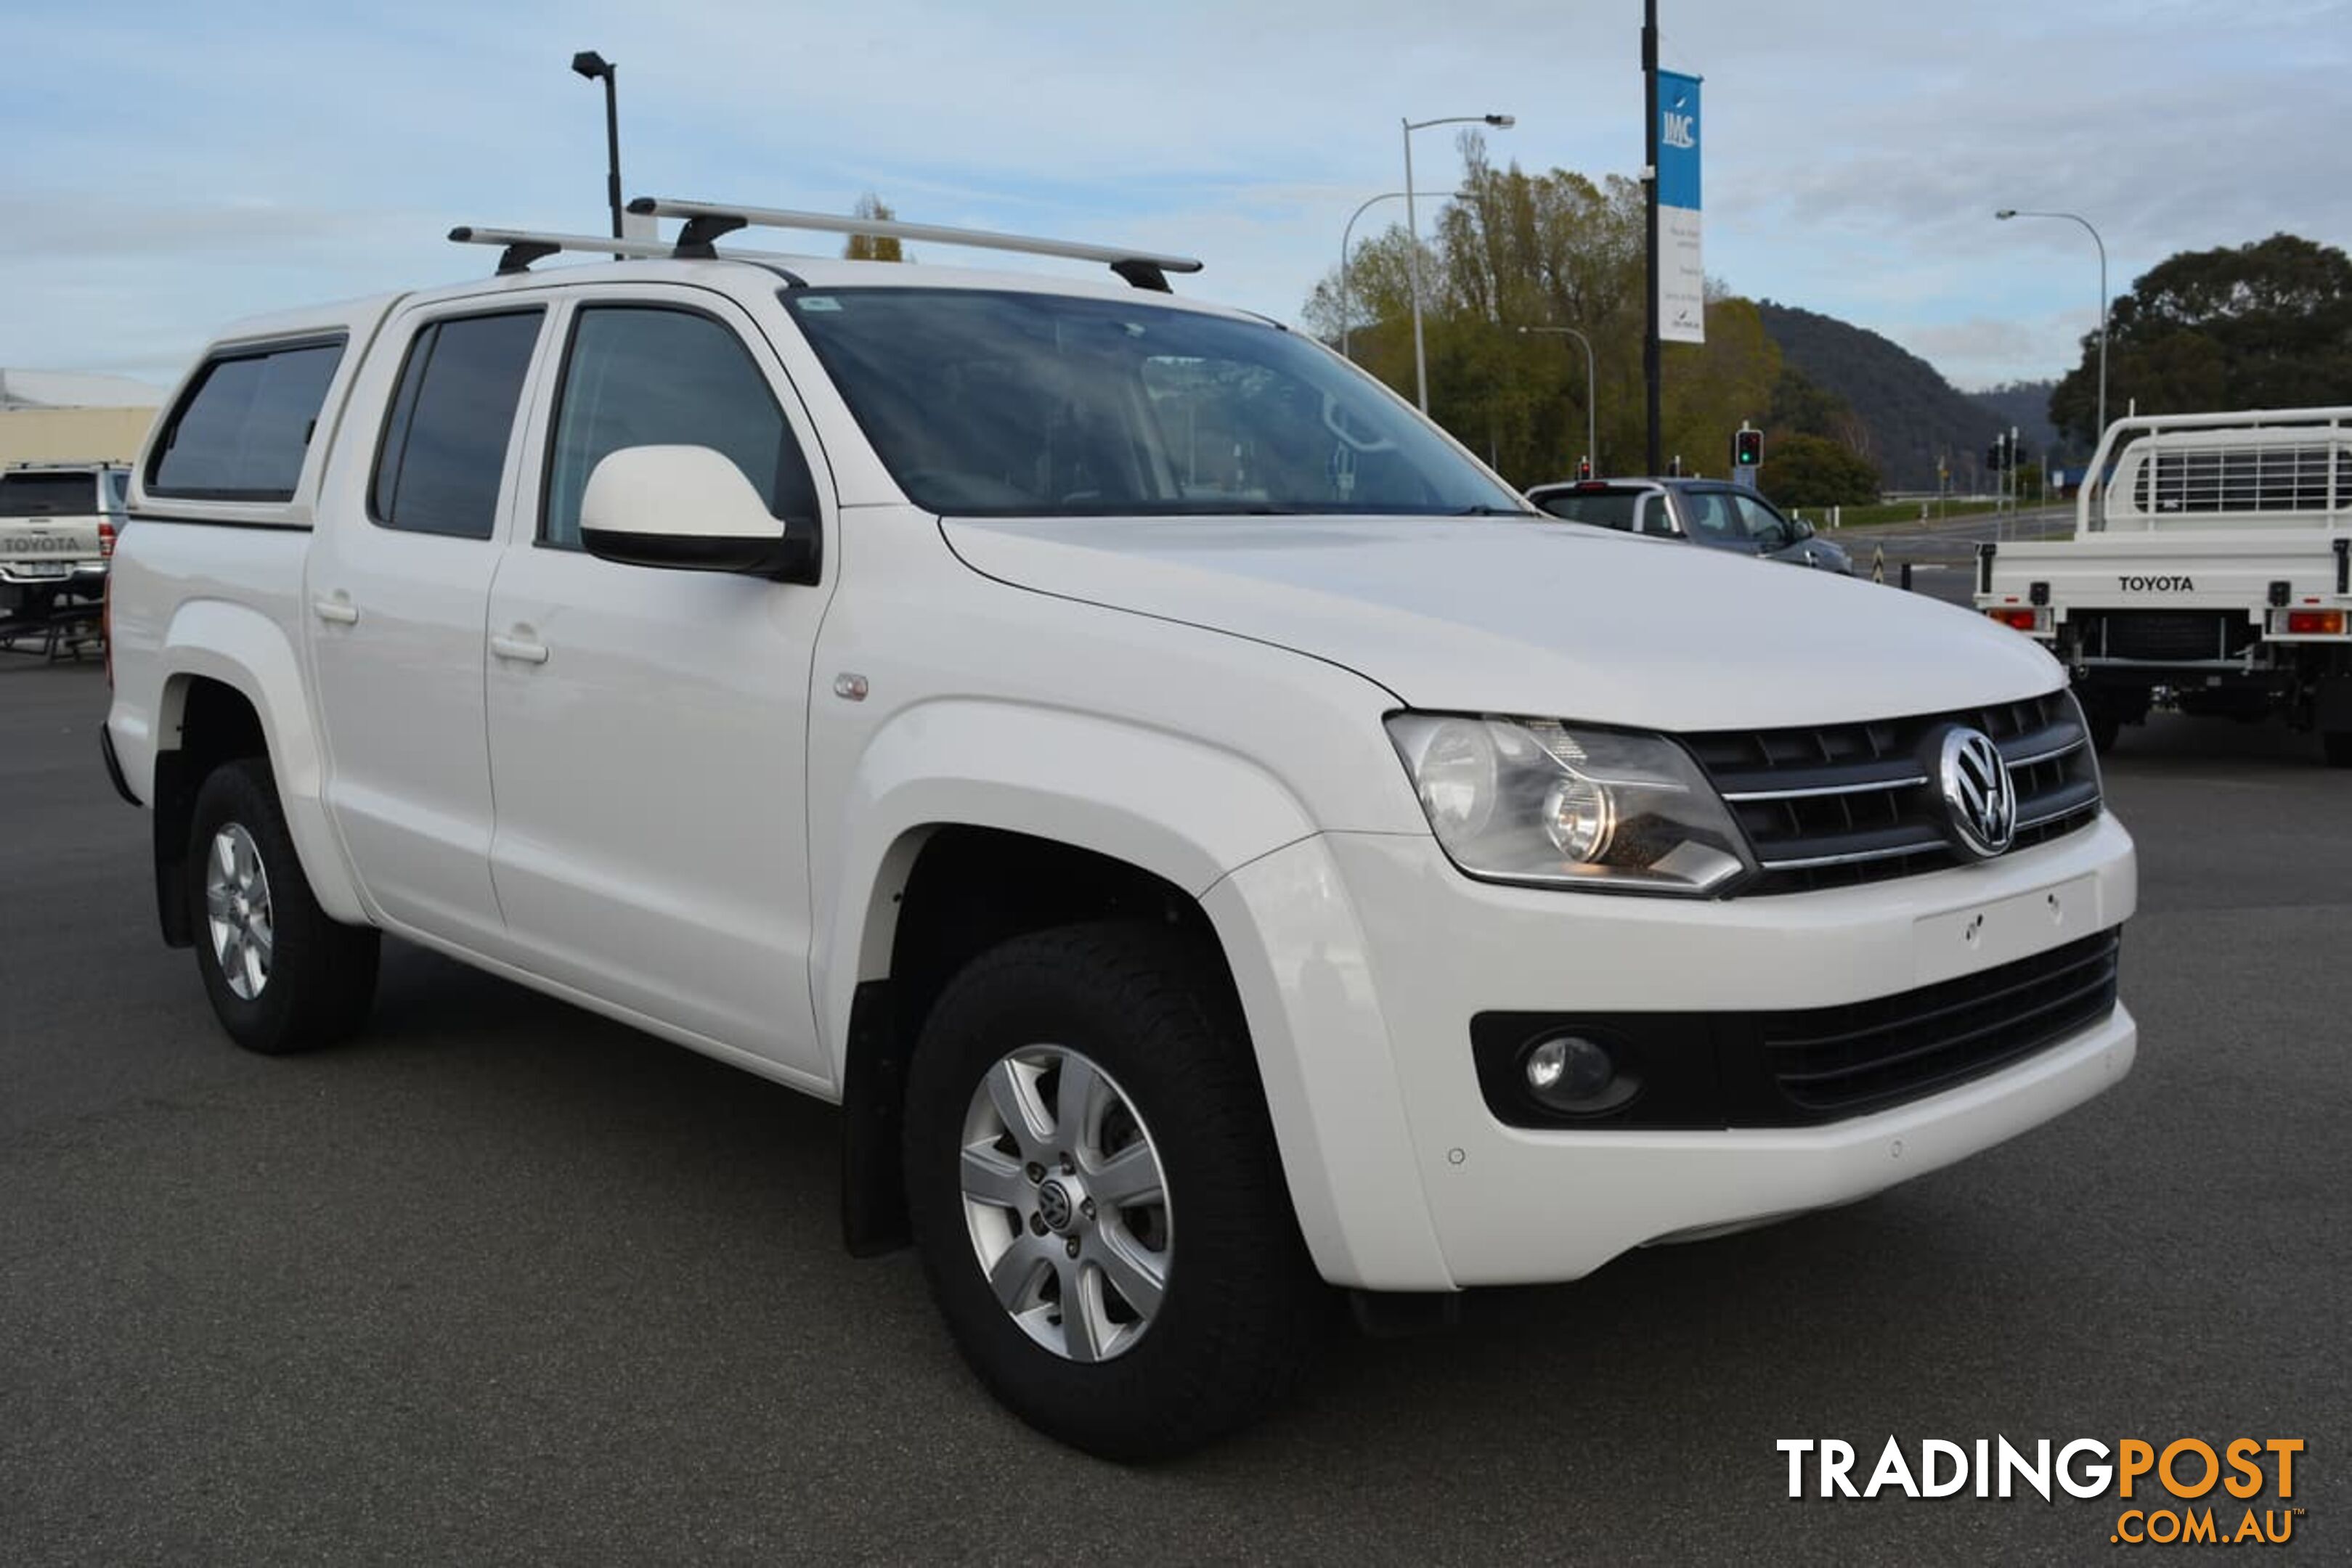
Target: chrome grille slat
[1907,780]
[1833,805]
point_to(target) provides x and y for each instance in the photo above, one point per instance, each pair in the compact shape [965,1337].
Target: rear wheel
[282,975]
[1094,1188]
[2105,724]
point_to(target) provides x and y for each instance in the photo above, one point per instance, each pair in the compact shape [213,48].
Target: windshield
[987,404]
[45,495]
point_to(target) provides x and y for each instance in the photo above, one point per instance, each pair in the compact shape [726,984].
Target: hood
[1557,620]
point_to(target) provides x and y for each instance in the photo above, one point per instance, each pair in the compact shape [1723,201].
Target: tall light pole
[1412,233]
[1592,383]
[1346,236]
[2008,213]
[1652,370]
[593,66]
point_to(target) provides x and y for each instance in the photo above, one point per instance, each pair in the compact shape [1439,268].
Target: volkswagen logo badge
[1978,798]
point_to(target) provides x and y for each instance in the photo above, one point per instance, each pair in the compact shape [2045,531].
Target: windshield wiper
[1493,512]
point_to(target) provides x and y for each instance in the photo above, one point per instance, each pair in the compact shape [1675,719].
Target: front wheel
[283,976]
[1096,1195]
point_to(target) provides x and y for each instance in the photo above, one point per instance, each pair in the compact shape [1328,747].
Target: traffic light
[1584,467]
[1996,456]
[1748,449]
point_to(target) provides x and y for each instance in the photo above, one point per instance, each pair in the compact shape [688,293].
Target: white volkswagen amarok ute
[1215,841]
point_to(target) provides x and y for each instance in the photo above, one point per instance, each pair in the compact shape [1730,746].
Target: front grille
[2161,636]
[1843,1060]
[1842,804]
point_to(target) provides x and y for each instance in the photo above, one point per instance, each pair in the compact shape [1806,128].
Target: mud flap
[2331,704]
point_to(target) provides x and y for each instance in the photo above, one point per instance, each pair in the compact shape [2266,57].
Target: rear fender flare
[246,651]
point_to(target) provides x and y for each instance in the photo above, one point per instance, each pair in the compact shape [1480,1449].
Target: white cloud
[250,155]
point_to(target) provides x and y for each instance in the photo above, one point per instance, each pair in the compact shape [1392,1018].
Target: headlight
[1533,800]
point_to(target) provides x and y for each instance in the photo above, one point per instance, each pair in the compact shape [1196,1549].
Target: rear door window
[242,429]
[445,444]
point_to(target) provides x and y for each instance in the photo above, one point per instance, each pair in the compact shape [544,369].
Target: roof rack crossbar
[1141,268]
[521,248]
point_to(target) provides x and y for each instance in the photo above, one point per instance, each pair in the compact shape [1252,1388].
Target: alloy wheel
[237,911]
[1067,1203]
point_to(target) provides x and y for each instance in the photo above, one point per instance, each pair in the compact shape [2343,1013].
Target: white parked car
[1214,842]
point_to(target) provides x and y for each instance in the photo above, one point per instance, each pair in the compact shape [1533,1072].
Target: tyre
[2335,745]
[2105,726]
[282,975]
[1095,1192]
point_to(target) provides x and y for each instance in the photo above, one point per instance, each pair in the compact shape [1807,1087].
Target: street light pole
[1653,401]
[1412,233]
[592,66]
[2005,214]
[1346,245]
[1592,383]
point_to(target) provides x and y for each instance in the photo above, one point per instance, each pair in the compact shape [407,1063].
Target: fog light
[1569,1073]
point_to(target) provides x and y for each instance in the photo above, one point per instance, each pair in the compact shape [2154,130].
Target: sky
[166,168]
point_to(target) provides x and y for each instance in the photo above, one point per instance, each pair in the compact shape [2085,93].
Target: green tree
[2263,325]
[1554,249]
[1816,471]
[1802,406]
[873,247]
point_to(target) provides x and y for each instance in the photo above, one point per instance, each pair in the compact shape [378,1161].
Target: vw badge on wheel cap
[1978,798]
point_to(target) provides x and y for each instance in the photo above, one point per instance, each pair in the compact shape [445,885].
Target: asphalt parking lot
[502,1281]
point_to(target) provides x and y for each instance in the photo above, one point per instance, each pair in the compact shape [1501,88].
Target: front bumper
[1406,1178]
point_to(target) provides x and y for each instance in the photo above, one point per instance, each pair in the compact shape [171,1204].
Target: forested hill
[1913,414]
[2026,405]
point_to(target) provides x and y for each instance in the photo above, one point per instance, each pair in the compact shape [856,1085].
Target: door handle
[521,649]
[338,609]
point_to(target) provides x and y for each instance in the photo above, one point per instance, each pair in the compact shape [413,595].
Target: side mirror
[690,508]
[1803,529]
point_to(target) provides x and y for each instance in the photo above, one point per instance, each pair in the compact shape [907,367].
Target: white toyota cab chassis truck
[2211,573]
[1213,840]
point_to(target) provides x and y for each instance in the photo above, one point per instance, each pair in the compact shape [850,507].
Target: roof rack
[707,221]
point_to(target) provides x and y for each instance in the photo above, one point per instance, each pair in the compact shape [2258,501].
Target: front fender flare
[1190,814]
[1183,811]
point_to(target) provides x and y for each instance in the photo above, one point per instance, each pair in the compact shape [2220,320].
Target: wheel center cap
[1057,1207]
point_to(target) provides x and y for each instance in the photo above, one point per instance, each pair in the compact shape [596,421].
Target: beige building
[50,417]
